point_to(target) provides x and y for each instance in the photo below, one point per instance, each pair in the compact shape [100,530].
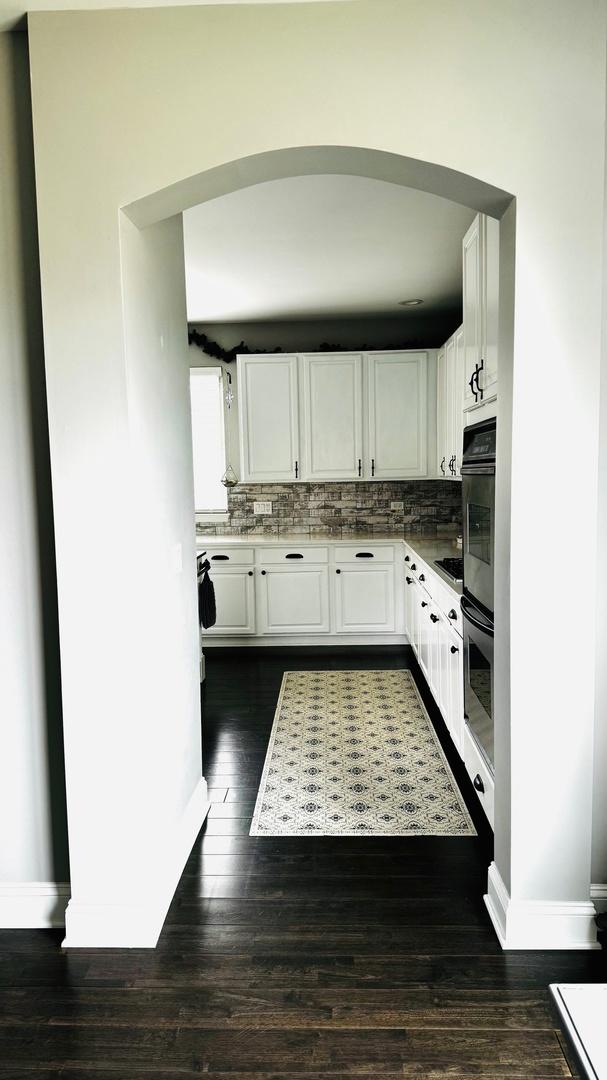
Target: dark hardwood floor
[289,957]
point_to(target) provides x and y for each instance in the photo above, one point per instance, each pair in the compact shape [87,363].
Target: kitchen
[345,527]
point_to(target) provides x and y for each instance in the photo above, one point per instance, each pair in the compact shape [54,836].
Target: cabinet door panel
[442,456]
[234,601]
[397,388]
[449,409]
[364,599]
[458,400]
[473,304]
[294,601]
[269,435]
[332,416]
[455,719]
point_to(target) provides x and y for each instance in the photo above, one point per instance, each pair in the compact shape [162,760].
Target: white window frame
[210,517]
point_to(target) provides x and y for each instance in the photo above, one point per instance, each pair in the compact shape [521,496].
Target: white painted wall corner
[136,924]
[539,924]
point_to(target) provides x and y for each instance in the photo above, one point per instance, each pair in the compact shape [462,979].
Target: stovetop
[454,568]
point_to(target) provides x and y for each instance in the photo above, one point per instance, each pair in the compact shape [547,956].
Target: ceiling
[12,12]
[322,247]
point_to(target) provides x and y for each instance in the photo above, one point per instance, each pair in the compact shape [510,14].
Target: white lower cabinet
[478,772]
[293,600]
[234,601]
[364,599]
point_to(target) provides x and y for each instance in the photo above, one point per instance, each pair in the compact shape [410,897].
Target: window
[208,440]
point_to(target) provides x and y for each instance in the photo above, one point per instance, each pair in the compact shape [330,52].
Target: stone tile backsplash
[430,508]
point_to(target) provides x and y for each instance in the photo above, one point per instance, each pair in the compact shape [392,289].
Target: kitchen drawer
[364,553]
[293,555]
[479,773]
[447,600]
[230,556]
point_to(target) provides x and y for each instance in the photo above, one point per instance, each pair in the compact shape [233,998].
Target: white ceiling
[322,247]
[12,11]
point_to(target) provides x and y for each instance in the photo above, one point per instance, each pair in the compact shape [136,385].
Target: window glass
[208,439]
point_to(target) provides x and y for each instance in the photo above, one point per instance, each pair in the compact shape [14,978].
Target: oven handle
[471,616]
[477,470]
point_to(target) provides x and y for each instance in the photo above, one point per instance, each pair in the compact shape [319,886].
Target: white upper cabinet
[396,415]
[480,304]
[332,411]
[269,427]
[333,416]
[450,406]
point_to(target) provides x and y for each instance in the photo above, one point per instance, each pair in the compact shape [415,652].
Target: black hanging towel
[207,613]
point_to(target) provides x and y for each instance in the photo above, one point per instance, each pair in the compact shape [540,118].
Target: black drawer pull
[478,783]
[421,577]
[434,618]
[338,571]
[424,603]
[220,558]
[409,580]
[293,555]
[250,573]
[263,573]
[453,614]
[365,555]
[413,566]
[454,649]
[407,559]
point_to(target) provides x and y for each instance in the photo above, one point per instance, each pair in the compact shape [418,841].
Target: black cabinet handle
[296,469]
[409,580]
[250,573]
[480,367]
[422,577]
[407,559]
[372,466]
[453,614]
[360,467]
[263,573]
[365,555]
[220,558]
[478,783]
[413,566]
[442,465]
[454,649]
[293,555]
[451,465]
[434,617]
[338,571]
[424,603]
[471,383]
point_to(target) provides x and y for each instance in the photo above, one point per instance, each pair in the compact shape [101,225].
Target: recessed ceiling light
[409,303]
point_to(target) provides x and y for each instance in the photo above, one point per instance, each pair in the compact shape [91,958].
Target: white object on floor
[583,1011]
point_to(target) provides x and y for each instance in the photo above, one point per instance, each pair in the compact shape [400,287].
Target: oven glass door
[478,679]
[479,502]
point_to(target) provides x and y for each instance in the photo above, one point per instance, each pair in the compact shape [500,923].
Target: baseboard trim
[539,924]
[137,924]
[598,895]
[33,905]
[290,640]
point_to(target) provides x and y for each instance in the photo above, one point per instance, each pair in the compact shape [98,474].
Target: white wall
[33,847]
[128,104]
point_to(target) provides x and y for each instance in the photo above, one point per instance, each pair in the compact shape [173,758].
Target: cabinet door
[442,456]
[294,600]
[455,714]
[410,589]
[234,601]
[332,416]
[364,599]
[458,400]
[488,375]
[268,410]
[396,424]
[473,305]
[423,630]
[449,410]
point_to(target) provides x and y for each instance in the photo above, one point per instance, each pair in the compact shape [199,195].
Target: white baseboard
[33,905]
[598,895]
[539,924]
[136,924]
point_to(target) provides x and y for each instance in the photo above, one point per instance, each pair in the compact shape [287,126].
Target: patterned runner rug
[355,752]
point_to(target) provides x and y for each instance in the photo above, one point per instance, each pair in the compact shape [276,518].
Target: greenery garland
[226,356]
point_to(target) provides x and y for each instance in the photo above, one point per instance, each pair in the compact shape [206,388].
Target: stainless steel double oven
[478,493]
